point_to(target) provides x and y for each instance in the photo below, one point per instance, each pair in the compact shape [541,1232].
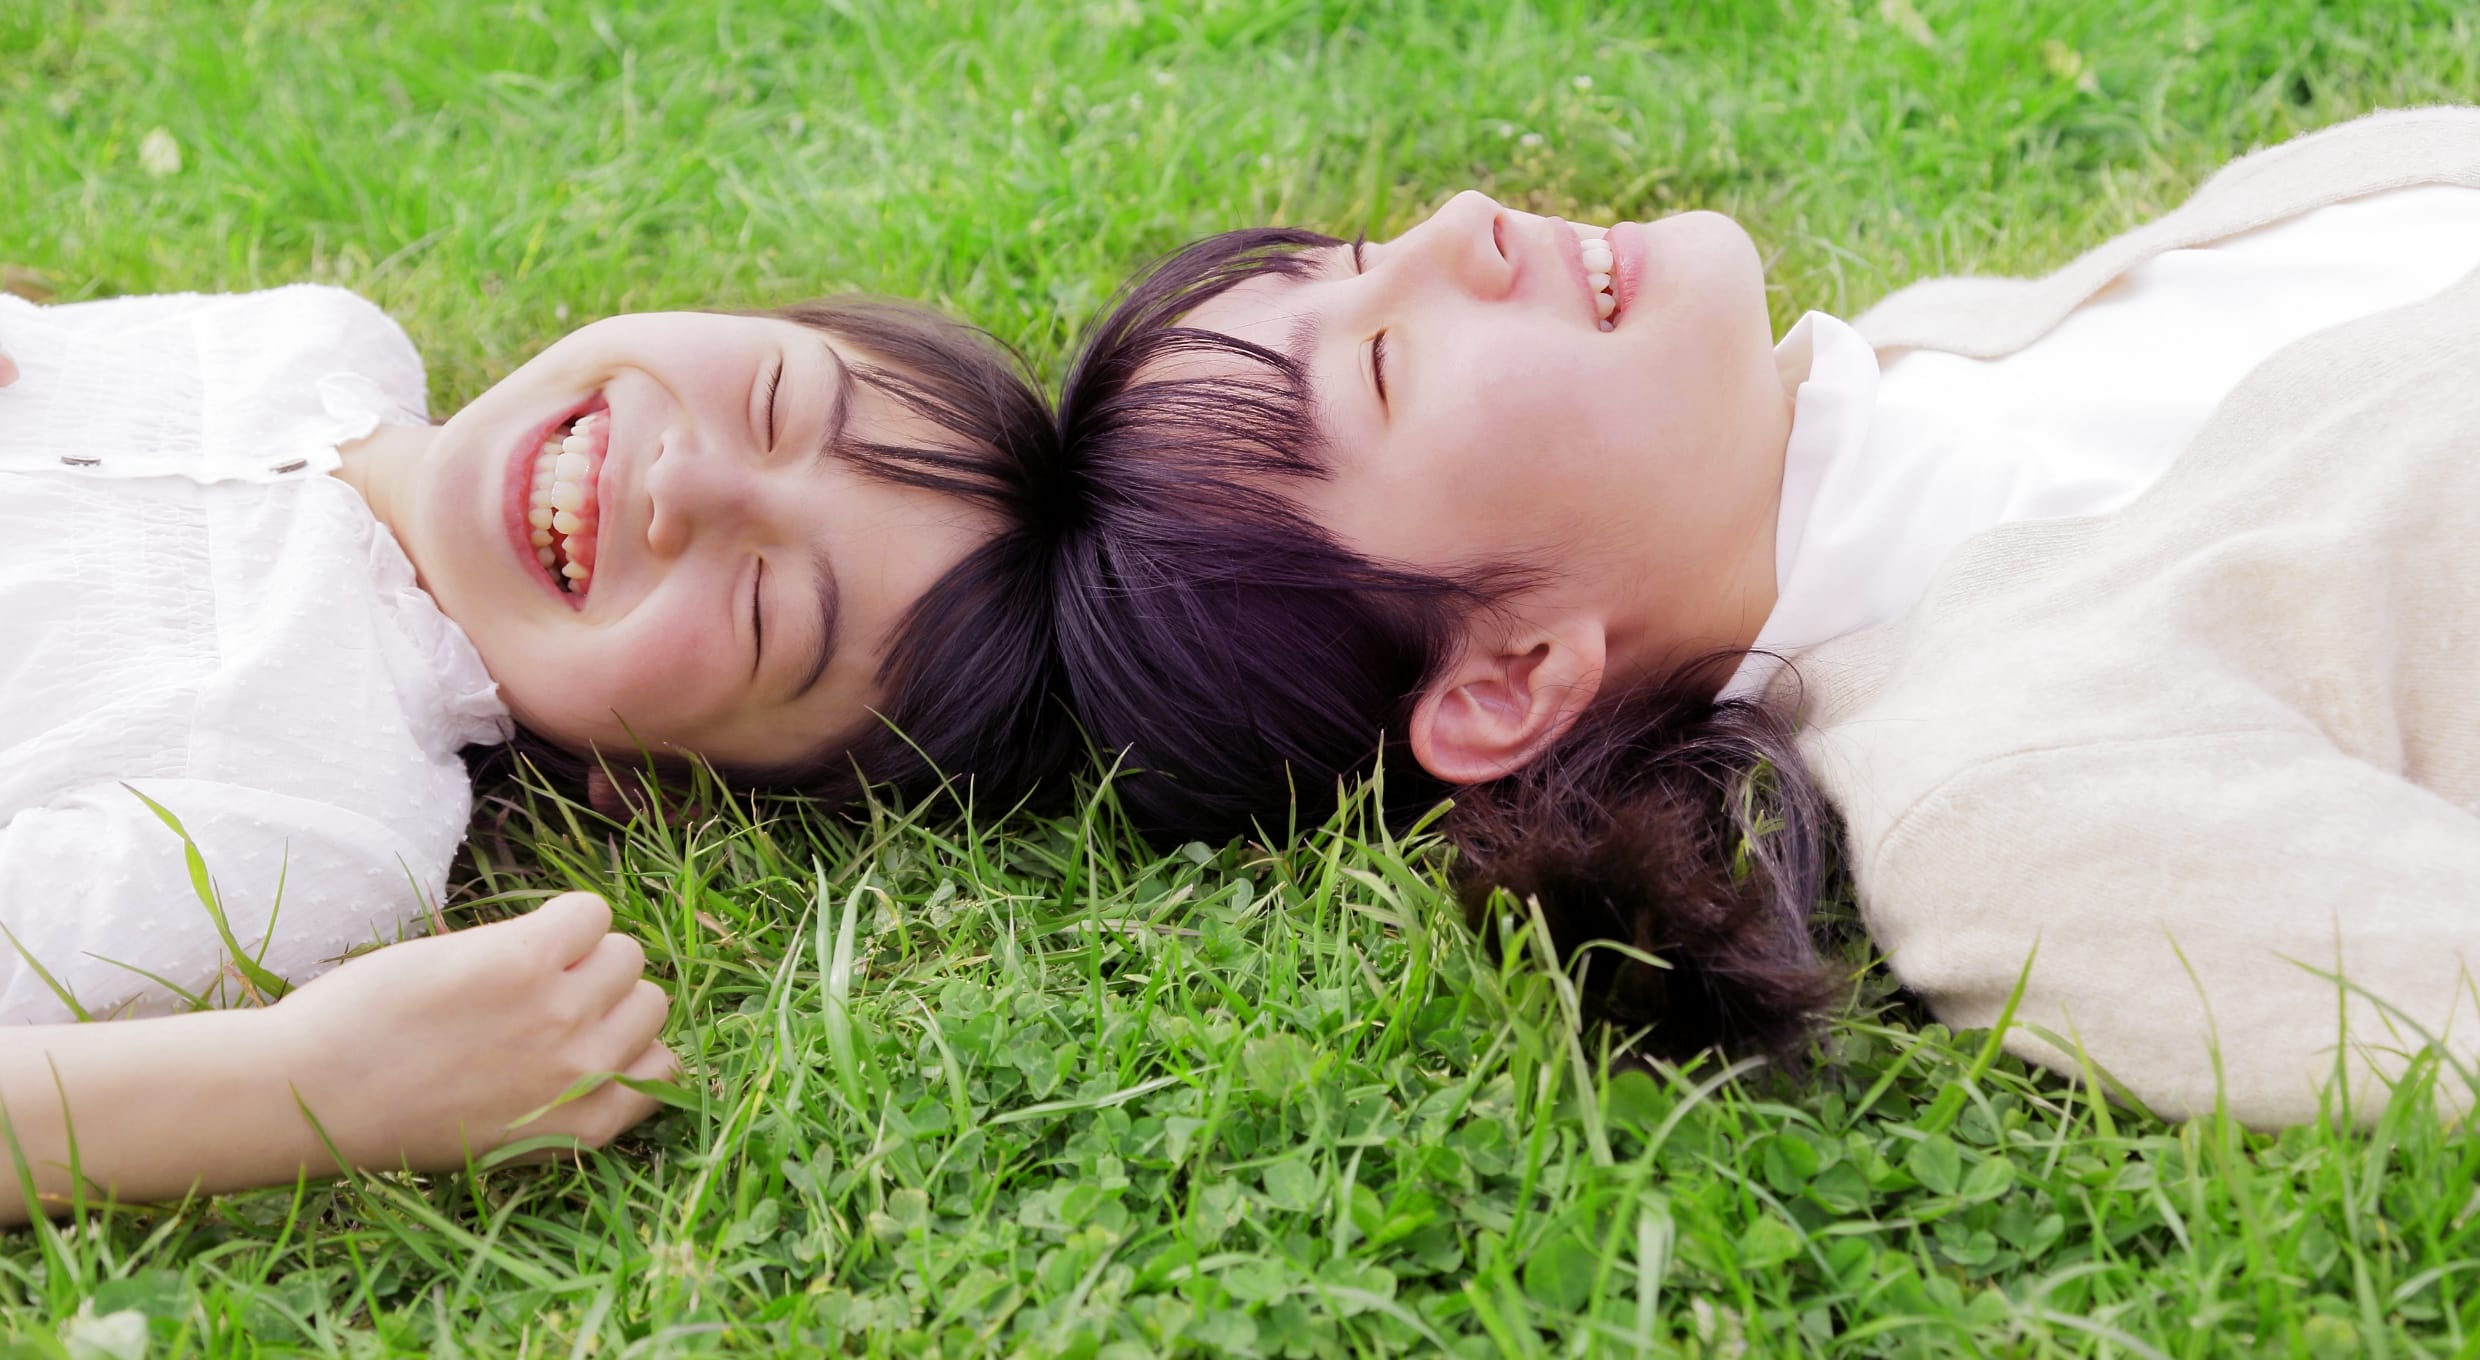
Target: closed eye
[1377,345]
[757,621]
[774,382]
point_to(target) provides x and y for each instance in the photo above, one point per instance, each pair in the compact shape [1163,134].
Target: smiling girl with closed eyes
[2131,611]
[249,589]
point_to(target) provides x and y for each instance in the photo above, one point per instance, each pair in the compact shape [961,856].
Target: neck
[1753,589]
[381,467]
[1714,598]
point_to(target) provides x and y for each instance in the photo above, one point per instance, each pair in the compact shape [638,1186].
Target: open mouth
[560,514]
[1599,266]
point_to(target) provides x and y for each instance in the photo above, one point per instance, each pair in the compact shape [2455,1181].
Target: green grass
[1024,1088]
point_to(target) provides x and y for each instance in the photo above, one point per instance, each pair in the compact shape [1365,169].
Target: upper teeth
[1597,268]
[560,512]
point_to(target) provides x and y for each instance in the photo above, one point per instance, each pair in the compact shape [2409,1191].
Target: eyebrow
[1300,342]
[830,596]
[839,405]
[830,617]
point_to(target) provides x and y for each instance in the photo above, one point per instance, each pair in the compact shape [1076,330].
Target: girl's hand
[8,369]
[425,1053]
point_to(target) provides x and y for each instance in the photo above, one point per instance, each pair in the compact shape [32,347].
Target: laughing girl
[259,611]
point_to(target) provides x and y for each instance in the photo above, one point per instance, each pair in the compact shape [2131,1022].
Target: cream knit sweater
[2178,767]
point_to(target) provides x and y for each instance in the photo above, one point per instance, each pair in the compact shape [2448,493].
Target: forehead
[1273,311]
[869,413]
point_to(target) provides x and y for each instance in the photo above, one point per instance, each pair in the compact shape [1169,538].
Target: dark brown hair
[968,670]
[1246,666]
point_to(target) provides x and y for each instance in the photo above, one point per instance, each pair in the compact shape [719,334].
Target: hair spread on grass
[968,670]
[1246,667]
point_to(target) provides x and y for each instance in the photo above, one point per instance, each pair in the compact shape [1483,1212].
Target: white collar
[1832,375]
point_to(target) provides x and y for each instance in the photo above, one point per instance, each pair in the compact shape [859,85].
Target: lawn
[969,1084]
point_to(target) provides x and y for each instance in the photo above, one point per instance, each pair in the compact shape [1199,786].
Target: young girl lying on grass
[254,599]
[2135,610]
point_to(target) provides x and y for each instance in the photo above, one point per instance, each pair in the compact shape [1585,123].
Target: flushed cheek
[1543,430]
[663,692]
[670,690]
[1547,472]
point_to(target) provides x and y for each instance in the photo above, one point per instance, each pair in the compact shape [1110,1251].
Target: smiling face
[1494,387]
[721,583]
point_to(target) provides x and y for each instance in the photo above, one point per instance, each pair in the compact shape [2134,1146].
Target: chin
[1719,248]
[1706,283]
[1718,278]
[554,729]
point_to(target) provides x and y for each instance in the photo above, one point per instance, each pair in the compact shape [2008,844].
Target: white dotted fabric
[191,609]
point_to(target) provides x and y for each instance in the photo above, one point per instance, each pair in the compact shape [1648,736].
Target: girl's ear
[1497,706]
[619,799]
[627,793]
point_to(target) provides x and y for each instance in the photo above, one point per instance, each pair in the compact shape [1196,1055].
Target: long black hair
[1246,666]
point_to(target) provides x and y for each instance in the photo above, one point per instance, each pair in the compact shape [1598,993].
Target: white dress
[192,609]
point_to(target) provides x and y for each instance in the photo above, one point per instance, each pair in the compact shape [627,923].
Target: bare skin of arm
[418,1056]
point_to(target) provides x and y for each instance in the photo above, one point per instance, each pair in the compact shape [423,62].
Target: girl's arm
[417,1056]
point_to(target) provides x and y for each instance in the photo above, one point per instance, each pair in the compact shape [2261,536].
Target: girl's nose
[694,493]
[1461,242]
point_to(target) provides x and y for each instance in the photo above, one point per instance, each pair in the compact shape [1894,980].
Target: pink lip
[606,494]
[1627,254]
[1571,253]
[518,490]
